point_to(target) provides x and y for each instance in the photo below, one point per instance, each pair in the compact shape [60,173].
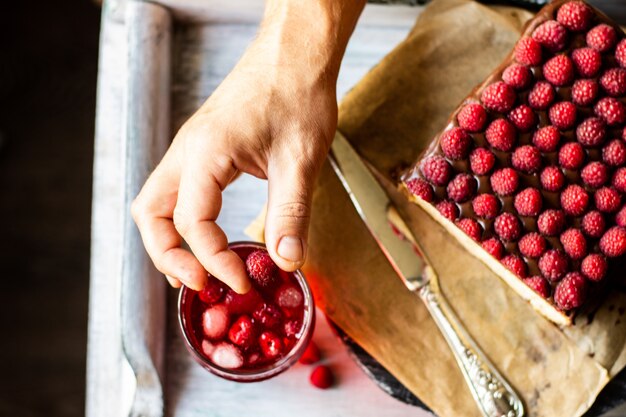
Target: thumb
[288,212]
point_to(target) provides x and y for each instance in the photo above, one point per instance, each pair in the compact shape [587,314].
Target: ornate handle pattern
[492,393]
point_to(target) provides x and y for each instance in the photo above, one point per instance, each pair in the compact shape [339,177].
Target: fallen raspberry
[501,135]
[574,243]
[261,268]
[559,70]
[528,52]
[571,155]
[486,206]
[311,354]
[613,242]
[574,200]
[614,81]
[242,332]
[552,179]
[527,159]
[541,95]
[517,76]
[584,92]
[587,61]
[571,291]
[551,35]
[594,267]
[498,97]
[448,209]
[591,132]
[539,285]
[563,115]
[268,315]
[602,37]
[322,377]
[270,344]
[481,161]
[614,153]
[532,245]
[620,217]
[528,202]
[523,118]
[242,303]
[436,170]
[575,15]
[593,224]
[619,180]
[515,264]
[472,117]
[461,188]
[227,356]
[507,227]
[607,200]
[547,138]
[292,327]
[504,181]
[595,174]
[551,222]
[420,188]
[470,227]
[553,264]
[455,143]
[620,53]
[215,322]
[611,110]
[212,292]
[494,247]
[289,296]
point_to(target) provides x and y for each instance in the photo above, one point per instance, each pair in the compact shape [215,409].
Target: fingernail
[290,248]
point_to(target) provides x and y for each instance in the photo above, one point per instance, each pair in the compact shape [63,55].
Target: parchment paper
[390,116]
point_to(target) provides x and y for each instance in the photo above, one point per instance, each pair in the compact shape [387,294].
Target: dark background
[48,69]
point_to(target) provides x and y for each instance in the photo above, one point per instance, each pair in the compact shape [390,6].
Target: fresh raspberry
[528,202]
[541,95]
[517,76]
[614,81]
[498,97]
[614,153]
[602,37]
[595,174]
[571,292]
[472,117]
[593,224]
[215,321]
[292,327]
[461,188]
[574,200]
[481,161]
[575,15]
[607,200]
[620,53]
[242,332]
[455,143]
[268,315]
[528,52]
[532,245]
[527,159]
[212,292]
[242,303]
[551,222]
[494,247]
[591,132]
[289,296]
[310,355]
[507,227]
[619,180]
[448,209]
[504,181]
[486,206]
[226,356]
[594,267]
[501,135]
[553,264]
[613,242]
[322,377]
[584,92]
[563,115]
[261,268]
[420,188]
[547,138]
[587,61]
[611,110]
[470,227]
[552,179]
[436,170]
[270,344]
[574,243]
[539,285]
[523,118]
[620,217]
[551,35]
[559,70]
[571,155]
[515,264]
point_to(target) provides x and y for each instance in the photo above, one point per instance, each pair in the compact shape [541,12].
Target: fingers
[199,203]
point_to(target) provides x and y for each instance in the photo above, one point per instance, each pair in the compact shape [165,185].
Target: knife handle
[493,394]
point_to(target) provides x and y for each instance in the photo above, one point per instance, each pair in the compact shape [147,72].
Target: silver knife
[493,394]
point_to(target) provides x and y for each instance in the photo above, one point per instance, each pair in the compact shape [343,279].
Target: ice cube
[227,356]
[215,321]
